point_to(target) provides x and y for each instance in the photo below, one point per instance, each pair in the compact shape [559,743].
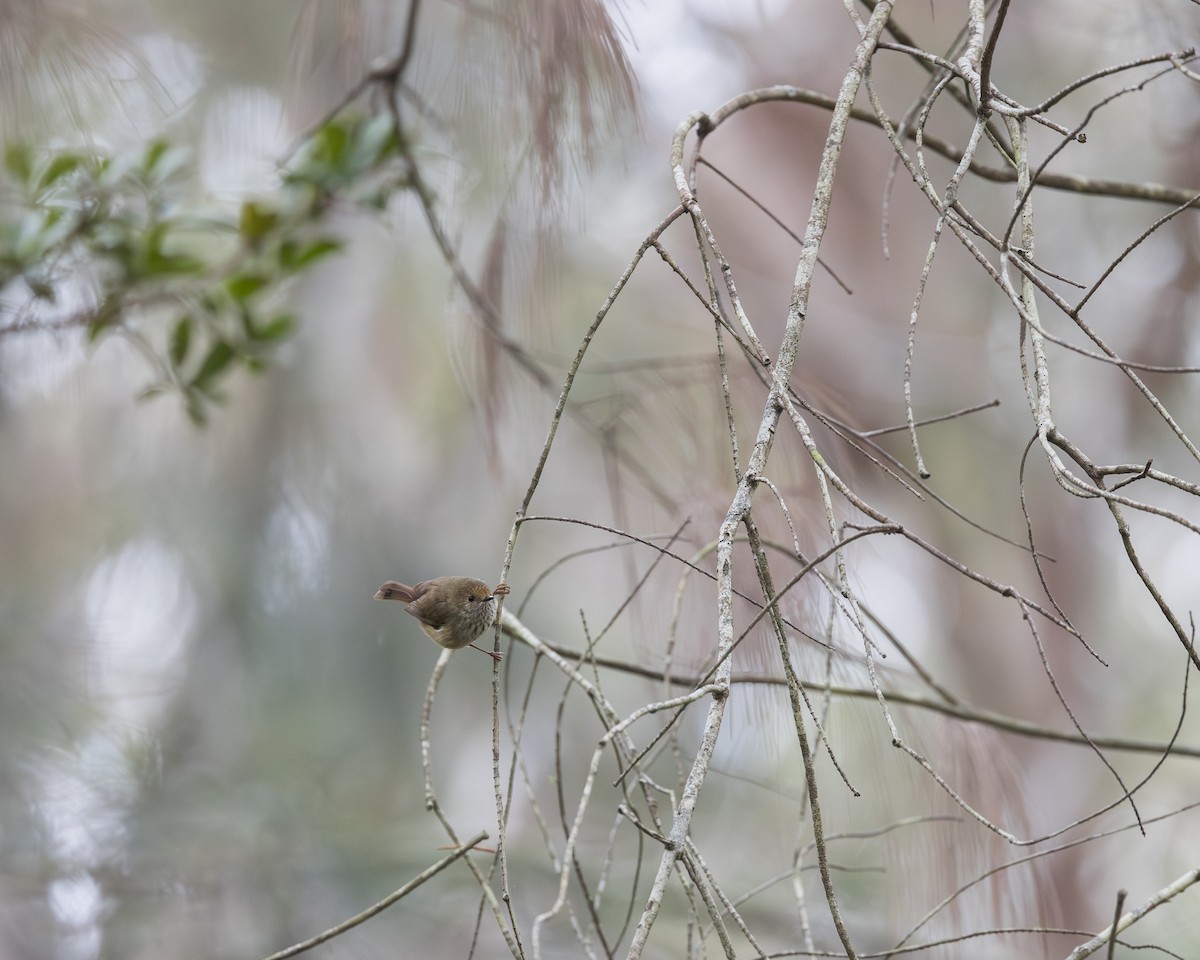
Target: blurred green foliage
[198,284]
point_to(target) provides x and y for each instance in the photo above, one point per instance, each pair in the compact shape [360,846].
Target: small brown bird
[454,611]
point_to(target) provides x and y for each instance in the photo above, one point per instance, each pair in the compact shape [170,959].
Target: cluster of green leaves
[125,245]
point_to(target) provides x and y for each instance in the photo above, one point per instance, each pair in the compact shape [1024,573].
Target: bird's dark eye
[471,598]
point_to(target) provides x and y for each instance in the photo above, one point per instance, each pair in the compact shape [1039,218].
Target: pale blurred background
[210,732]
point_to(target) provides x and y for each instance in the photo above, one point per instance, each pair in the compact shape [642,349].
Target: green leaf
[170,264]
[59,167]
[242,286]
[256,221]
[112,170]
[105,318]
[161,161]
[246,314]
[209,392]
[181,338]
[154,153]
[375,140]
[277,329]
[30,242]
[294,257]
[194,405]
[170,164]
[219,357]
[330,144]
[18,161]
[377,200]
[156,262]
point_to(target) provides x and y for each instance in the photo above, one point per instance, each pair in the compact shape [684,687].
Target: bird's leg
[491,653]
